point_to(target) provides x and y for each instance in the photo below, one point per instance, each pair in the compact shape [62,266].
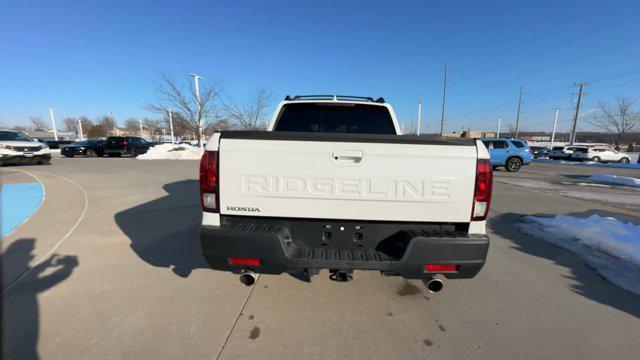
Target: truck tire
[513,164]
[90,153]
[595,159]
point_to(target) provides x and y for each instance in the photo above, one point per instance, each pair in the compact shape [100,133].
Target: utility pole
[80,130]
[572,140]
[171,126]
[140,122]
[53,123]
[518,112]
[555,123]
[419,115]
[196,78]
[499,123]
[444,99]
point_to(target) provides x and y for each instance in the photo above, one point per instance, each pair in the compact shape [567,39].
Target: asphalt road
[572,181]
[110,267]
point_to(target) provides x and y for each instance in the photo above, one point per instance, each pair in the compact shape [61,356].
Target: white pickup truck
[333,185]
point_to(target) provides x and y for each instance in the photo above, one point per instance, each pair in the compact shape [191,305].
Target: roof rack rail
[333,97]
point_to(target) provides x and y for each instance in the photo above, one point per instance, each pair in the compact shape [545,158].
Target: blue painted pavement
[17,203]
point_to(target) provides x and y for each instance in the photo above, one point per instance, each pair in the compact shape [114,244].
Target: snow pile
[608,245]
[631,165]
[613,179]
[172,152]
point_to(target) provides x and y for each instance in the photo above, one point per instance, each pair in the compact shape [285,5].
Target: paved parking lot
[110,267]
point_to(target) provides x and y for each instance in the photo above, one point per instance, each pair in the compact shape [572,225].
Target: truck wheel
[624,160]
[595,159]
[90,153]
[513,164]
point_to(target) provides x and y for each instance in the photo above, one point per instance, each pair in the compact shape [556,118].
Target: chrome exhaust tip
[248,277]
[433,284]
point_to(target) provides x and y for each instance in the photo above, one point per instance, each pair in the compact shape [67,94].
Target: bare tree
[196,115]
[224,124]
[70,124]
[155,129]
[132,125]
[87,124]
[37,123]
[108,123]
[19,128]
[619,121]
[97,131]
[250,115]
[180,124]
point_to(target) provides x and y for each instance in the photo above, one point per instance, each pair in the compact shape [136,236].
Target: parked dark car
[539,151]
[88,148]
[55,144]
[126,145]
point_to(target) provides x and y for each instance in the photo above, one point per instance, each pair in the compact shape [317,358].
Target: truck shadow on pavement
[20,310]
[165,232]
[589,283]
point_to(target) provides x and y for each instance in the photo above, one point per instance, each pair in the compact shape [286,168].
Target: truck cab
[332,185]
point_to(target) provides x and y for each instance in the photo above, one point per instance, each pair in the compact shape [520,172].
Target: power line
[575,59]
[544,31]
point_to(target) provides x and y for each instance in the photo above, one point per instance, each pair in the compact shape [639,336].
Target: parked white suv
[599,154]
[561,152]
[18,148]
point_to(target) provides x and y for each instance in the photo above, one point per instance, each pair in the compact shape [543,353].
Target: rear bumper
[279,252]
[23,159]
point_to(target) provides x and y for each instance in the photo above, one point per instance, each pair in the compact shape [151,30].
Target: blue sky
[92,57]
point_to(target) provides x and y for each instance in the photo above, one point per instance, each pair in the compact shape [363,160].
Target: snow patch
[614,179]
[608,245]
[172,152]
[630,165]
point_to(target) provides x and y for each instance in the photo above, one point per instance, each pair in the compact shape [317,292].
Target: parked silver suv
[18,148]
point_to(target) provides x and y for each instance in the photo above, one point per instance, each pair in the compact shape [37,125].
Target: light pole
[171,125]
[555,123]
[499,123]
[196,78]
[53,122]
[419,115]
[140,121]
[518,112]
[80,130]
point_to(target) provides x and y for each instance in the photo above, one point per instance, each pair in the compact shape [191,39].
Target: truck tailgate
[385,178]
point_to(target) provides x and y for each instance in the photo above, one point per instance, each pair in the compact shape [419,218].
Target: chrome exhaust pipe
[433,284]
[248,277]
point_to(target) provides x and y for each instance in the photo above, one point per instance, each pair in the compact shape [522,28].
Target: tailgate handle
[348,156]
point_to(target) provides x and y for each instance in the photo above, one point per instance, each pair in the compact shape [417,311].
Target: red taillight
[125,143]
[244,261]
[440,268]
[482,191]
[209,194]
